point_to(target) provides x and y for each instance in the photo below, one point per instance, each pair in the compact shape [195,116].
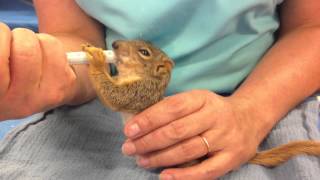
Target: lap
[85,143]
[69,143]
[299,124]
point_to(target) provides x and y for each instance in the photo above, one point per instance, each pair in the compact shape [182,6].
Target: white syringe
[80,57]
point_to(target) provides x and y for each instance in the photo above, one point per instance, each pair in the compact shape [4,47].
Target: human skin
[289,69]
[35,75]
[167,133]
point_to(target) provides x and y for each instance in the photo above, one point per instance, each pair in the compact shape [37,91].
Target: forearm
[287,74]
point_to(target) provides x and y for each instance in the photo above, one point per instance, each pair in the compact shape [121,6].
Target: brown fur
[141,82]
[281,154]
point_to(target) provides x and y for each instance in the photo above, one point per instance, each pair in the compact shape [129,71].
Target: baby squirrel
[143,75]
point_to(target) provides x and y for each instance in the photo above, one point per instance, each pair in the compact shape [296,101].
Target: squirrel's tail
[279,155]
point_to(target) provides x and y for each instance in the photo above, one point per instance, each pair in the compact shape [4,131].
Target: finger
[164,112]
[5,40]
[184,152]
[57,75]
[176,131]
[212,168]
[25,63]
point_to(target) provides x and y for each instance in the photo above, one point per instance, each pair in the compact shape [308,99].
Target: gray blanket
[84,143]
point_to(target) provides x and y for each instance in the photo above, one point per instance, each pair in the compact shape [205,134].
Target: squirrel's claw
[95,56]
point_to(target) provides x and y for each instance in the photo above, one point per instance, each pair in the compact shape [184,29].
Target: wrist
[82,90]
[259,116]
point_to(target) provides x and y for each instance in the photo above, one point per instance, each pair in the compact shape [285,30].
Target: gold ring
[205,141]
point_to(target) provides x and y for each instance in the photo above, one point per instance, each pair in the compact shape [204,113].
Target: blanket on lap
[85,143]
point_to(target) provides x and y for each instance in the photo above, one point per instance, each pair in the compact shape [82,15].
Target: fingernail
[143,162]
[128,148]
[166,177]
[133,130]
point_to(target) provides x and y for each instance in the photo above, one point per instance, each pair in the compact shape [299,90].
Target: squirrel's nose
[115,45]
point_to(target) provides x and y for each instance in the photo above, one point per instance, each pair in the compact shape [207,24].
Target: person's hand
[169,133]
[35,75]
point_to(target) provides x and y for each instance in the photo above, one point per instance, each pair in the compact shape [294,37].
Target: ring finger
[171,134]
[184,152]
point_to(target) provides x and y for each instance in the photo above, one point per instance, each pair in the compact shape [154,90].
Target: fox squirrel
[143,75]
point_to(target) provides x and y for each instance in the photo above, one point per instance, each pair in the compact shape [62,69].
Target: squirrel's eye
[144,52]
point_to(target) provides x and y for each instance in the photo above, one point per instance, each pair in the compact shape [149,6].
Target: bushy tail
[281,154]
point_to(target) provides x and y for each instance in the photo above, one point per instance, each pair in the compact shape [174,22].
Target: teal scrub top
[215,43]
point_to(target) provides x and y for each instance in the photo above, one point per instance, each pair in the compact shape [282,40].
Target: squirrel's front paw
[95,56]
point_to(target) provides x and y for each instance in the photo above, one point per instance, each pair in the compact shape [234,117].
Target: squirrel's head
[140,57]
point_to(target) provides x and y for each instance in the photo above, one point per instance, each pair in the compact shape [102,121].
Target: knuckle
[208,95]
[200,92]
[176,131]
[209,173]
[26,50]
[55,98]
[187,151]
[4,26]
[175,101]
[24,53]
[155,162]
[185,102]
[22,30]
[25,111]
[176,104]
[143,144]
[196,92]
[13,107]
[47,42]
[145,122]
[59,98]
[47,38]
